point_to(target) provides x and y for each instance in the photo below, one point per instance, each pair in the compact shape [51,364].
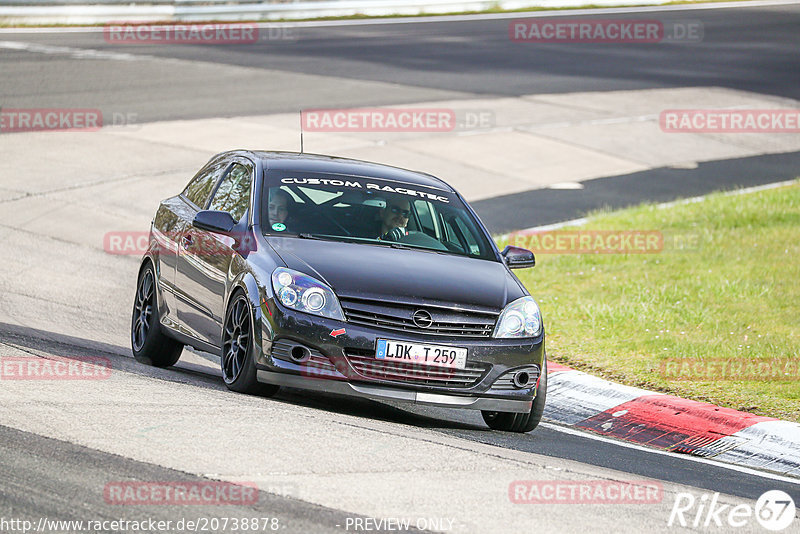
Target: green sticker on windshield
[279,227]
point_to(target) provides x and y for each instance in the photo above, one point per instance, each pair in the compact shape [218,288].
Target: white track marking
[76,53]
[576,396]
[732,467]
[766,443]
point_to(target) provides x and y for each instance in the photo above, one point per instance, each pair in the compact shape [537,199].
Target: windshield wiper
[367,241]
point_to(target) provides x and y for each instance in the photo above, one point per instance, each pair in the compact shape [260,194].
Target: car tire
[149,344]
[237,359]
[520,422]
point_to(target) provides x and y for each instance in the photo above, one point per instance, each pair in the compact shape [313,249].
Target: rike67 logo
[774,510]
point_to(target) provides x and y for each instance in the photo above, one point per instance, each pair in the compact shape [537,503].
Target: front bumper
[334,369]
[394,393]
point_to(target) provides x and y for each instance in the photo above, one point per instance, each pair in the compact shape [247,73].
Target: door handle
[186,241]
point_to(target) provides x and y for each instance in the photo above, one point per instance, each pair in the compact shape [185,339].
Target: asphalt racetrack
[324,463]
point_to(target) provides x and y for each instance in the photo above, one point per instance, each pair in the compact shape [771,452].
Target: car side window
[468,237]
[460,236]
[450,236]
[426,220]
[200,186]
[233,193]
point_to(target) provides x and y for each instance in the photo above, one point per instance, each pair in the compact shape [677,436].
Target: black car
[341,276]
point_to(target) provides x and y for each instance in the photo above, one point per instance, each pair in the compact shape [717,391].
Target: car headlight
[521,318]
[301,292]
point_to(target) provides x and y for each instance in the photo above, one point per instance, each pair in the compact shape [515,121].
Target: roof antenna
[301,131]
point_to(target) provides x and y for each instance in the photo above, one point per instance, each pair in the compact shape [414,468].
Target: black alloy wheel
[150,345]
[237,359]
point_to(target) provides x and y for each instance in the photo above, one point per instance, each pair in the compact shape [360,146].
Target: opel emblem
[422,319]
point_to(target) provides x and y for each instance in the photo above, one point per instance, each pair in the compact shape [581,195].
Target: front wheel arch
[245,380]
[521,422]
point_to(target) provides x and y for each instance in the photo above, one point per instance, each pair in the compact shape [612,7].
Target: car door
[169,223]
[204,257]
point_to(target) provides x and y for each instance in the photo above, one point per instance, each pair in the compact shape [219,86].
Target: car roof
[294,161]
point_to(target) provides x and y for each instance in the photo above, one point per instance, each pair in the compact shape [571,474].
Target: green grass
[733,296]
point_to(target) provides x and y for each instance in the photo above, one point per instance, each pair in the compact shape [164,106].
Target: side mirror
[518,258]
[220,222]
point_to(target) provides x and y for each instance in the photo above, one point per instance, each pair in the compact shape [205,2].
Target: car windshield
[371,211]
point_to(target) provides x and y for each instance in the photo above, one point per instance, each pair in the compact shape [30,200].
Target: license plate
[421,354]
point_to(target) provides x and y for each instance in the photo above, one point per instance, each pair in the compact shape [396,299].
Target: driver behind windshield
[279,202]
[393,219]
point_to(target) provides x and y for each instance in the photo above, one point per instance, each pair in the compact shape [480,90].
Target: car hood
[401,275]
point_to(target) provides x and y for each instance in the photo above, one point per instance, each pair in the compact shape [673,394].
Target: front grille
[367,366]
[399,317]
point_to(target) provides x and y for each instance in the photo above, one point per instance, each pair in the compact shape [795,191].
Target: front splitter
[342,387]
